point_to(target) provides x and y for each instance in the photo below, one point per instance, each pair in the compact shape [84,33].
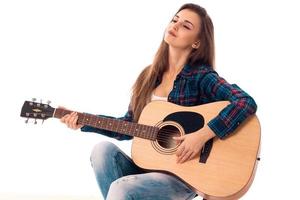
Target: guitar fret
[142,131]
[147,131]
[130,128]
[113,125]
[155,132]
[136,131]
[119,127]
[101,122]
[94,121]
[123,129]
[152,133]
[97,122]
[105,123]
[83,118]
[86,119]
[109,124]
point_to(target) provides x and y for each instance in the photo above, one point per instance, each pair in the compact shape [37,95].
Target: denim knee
[122,189]
[102,151]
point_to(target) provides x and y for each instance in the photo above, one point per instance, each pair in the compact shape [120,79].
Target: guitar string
[165,131]
[162,138]
[169,132]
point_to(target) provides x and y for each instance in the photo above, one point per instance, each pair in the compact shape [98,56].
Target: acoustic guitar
[224,169]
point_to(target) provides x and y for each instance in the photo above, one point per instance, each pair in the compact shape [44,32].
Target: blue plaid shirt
[199,85]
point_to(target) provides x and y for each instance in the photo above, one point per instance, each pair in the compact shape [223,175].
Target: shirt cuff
[218,126]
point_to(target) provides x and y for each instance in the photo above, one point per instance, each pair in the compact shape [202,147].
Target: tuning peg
[35,122]
[46,105]
[33,100]
[26,121]
[39,104]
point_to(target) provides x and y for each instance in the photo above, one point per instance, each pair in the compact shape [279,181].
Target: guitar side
[230,167]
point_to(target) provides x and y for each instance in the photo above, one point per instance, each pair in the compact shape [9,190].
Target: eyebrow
[185,20]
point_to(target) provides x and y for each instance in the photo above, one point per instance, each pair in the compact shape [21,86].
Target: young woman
[183,73]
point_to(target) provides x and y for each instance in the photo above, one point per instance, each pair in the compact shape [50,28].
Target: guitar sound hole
[165,136]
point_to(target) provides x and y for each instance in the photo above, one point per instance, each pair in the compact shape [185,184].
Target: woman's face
[183,30]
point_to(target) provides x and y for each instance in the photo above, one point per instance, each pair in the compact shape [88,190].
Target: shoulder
[198,71]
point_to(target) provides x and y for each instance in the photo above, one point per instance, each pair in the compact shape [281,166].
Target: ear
[196,45]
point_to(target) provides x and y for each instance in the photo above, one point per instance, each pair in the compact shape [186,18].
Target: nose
[175,26]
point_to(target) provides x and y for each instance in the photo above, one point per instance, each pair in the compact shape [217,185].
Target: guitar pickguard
[190,121]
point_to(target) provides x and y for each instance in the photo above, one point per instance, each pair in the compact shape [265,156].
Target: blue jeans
[120,179]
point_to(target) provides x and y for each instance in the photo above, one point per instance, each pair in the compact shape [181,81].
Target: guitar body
[230,167]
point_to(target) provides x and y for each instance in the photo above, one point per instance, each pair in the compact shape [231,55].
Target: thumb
[179,138]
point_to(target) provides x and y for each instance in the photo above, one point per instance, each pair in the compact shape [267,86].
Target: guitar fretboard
[115,125]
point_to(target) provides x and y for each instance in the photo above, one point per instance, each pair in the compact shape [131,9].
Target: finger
[73,120]
[180,150]
[179,157]
[180,138]
[69,119]
[185,157]
[185,151]
[63,119]
[192,155]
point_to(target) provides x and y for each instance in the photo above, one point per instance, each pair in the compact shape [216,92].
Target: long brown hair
[205,54]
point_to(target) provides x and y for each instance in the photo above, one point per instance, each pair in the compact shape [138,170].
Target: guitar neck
[110,124]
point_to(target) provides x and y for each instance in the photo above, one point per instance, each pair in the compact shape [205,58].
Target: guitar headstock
[36,110]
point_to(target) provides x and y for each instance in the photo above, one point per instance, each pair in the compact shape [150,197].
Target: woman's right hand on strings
[71,120]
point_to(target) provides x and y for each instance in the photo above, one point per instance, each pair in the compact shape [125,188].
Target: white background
[85,55]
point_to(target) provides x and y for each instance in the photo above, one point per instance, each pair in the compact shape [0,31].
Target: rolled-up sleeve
[241,104]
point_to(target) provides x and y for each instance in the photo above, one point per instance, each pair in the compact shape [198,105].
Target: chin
[169,40]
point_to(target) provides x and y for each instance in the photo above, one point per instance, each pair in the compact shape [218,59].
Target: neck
[177,59]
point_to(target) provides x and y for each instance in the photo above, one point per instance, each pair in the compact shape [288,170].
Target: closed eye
[185,26]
